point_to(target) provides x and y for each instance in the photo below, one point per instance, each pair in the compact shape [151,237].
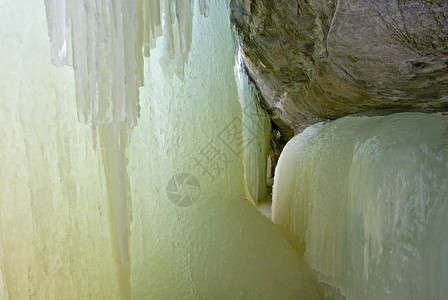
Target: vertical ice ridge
[256,135]
[132,59]
[113,141]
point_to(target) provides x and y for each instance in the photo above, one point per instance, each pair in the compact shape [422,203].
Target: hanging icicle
[106,40]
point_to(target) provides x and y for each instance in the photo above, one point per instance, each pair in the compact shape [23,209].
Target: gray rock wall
[315,60]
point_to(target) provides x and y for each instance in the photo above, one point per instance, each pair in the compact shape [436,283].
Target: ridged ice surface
[367,199]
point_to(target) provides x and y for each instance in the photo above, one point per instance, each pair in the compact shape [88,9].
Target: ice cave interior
[134,153]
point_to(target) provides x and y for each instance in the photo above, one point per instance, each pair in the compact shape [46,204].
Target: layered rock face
[323,59]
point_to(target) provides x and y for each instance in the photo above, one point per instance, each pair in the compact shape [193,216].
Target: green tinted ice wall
[158,211]
[189,142]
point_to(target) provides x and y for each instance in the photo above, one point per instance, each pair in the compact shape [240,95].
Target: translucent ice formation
[105,40]
[99,38]
[367,199]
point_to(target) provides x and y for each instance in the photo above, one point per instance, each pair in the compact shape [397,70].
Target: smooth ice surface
[367,199]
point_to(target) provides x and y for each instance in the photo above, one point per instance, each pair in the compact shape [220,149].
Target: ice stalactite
[106,41]
[113,139]
[366,197]
[149,16]
[97,31]
[177,32]
[59,32]
[102,35]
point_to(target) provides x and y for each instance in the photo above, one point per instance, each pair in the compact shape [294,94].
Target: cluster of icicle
[106,42]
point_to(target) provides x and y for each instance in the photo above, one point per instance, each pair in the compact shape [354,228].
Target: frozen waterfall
[149,200]
[367,198]
[157,210]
